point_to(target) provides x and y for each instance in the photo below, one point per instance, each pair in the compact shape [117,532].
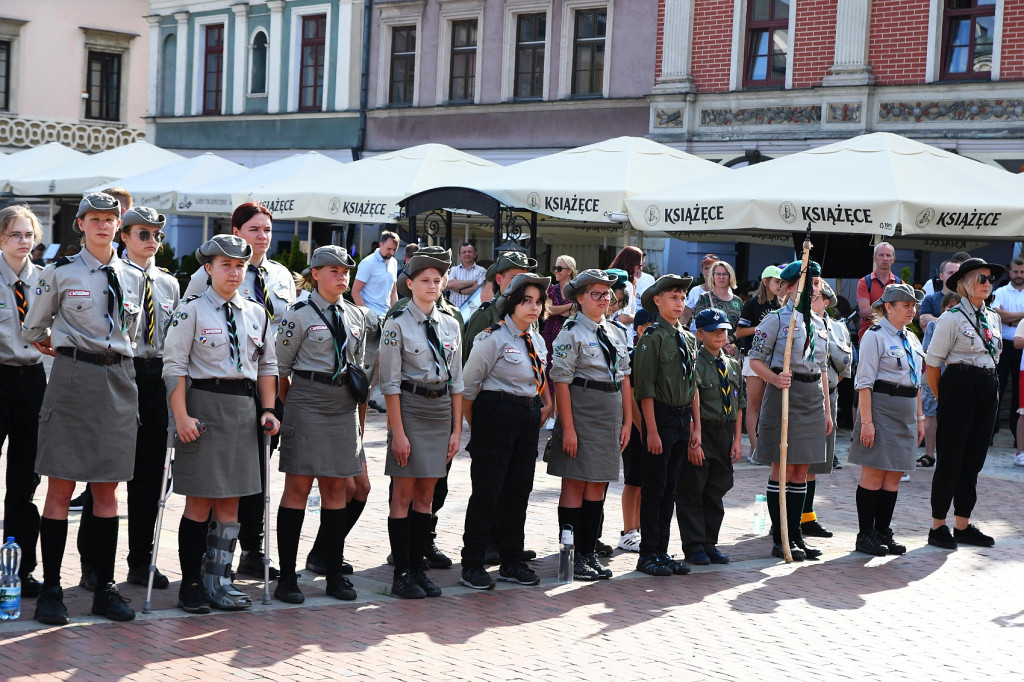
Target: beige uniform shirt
[405,353]
[578,354]
[71,306]
[166,296]
[13,348]
[198,344]
[304,342]
[500,361]
[957,339]
[769,342]
[278,279]
[883,357]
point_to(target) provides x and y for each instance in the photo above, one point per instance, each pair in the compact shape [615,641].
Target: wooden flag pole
[784,437]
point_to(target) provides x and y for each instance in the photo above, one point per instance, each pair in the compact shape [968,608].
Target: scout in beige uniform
[421,379]
[218,357]
[319,342]
[592,390]
[967,339]
[505,402]
[86,310]
[271,285]
[22,382]
[810,418]
[500,273]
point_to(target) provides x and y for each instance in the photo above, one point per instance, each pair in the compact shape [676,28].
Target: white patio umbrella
[870,183]
[592,183]
[368,190]
[104,168]
[35,160]
[160,188]
[223,195]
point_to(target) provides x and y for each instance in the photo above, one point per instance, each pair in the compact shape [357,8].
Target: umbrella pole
[784,437]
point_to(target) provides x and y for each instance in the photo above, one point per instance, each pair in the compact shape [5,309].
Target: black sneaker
[251,564]
[377,406]
[836,464]
[140,576]
[420,576]
[813,529]
[109,603]
[77,503]
[715,555]
[677,567]
[192,598]
[477,578]
[88,580]
[50,607]
[651,566]
[582,570]
[796,552]
[890,542]
[809,552]
[603,550]
[602,572]
[697,557]
[518,572]
[435,558]
[340,587]
[941,537]
[971,535]
[404,586]
[315,562]
[288,591]
[30,587]
[872,543]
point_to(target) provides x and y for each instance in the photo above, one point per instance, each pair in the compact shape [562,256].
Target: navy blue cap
[642,317]
[711,319]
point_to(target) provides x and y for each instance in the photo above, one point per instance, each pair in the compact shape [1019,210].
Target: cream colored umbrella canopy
[161,187]
[35,160]
[105,168]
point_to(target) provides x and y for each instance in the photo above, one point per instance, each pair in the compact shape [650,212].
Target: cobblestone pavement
[929,614]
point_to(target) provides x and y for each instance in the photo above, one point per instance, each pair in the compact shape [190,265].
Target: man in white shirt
[466,277]
[374,285]
[1009,303]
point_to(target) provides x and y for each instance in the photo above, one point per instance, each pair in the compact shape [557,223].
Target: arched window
[168,73]
[258,73]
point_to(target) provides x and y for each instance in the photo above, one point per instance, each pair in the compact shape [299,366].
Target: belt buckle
[433,393]
[108,360]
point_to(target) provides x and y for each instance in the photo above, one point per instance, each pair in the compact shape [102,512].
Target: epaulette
[165,270]
[397,313]
[618,324]
[875,327]
[190,298]
[651,329]
[299,306]
[63,260]
[955,309]
[495,327]
[569,324]
[485,305]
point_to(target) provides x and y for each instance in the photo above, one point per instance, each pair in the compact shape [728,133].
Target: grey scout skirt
[320,432]
[806,425]
[223,462]
[428,426]
[88,422]
[895,447]
[598,419]
[830,440]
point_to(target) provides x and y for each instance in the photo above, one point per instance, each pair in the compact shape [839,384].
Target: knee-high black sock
[335,526]
[774,510]
[420,527]
[354,511]
[865,509]
[795,494]
[808,508]
[105,543]
[570,516]
[885,505]
[289,527]
[53,537]
[191,548]
[590,519]
[398,534]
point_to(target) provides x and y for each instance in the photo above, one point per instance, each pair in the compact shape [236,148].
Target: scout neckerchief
[236,353]
[437,350]
[981,327]
[684,351]
[115,302]
[538,366]
[723,382]
[804,308]
[337,333]
[150,313]
[21,300]
[262,295]
[910,356]
[611,356]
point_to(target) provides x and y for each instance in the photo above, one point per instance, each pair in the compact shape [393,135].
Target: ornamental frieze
[844,112]
[783,115]
[994,110]
[85,137]
[668,118]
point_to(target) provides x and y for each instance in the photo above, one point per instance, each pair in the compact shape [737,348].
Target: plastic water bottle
[760,514]
[313,501]
[10,583]
[566,555]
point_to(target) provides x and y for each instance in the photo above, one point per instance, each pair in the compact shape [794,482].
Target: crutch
[161,505]
[266,514]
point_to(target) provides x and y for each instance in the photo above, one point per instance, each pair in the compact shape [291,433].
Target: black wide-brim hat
[663,283]
[970,265]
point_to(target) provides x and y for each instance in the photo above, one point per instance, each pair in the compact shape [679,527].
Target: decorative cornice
[85,137]
[757,116]
[987,110]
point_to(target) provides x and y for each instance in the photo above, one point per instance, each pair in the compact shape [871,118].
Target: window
[103,86]
[462,81]
[258,77]
[311,77]
[529,73]
[5,75]
[588,53]
[403,65]
[968,37]
[213,68]
[767,43]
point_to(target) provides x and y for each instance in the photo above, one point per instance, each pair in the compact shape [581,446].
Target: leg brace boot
[220,551]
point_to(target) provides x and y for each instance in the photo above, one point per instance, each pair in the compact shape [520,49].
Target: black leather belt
[226,386]
[605,386]
[321,377]
[805,378]
[101,359]
[18,370]
[527,400]
[961,367]
[892,389]
[671,409]
[425,392]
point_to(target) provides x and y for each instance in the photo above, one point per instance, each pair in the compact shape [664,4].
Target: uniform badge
[315,328]
[80,293]
[213,330]
[289,333]
[286,342]
[202,339]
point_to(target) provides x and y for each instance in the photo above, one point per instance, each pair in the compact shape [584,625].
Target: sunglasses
[991,279]
[157,236]
[559,268]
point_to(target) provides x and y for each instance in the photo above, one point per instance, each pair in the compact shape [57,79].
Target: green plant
[293,259]
[165,258]
[905,275]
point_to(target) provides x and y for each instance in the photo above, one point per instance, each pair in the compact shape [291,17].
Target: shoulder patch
[395,314]
[165,270]
[875,327]
[495,327]
[485,305]
[569,324]
[190,298]
[650,330]
[299,306]
[63,260]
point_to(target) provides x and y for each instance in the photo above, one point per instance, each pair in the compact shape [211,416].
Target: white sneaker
[549,424]
[905,477]
[630,541]
[1018,461]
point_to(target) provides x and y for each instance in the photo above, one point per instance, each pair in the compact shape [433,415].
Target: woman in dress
[630,259]
[721,296]
[556,312]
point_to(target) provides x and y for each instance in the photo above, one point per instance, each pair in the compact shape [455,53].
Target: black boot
[335,526]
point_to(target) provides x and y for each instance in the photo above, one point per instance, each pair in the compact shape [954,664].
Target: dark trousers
[701,490]
[250,507]
[150,451]
[660,473]
[1009,371]
[504,451]
[966,413]
[21,395]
